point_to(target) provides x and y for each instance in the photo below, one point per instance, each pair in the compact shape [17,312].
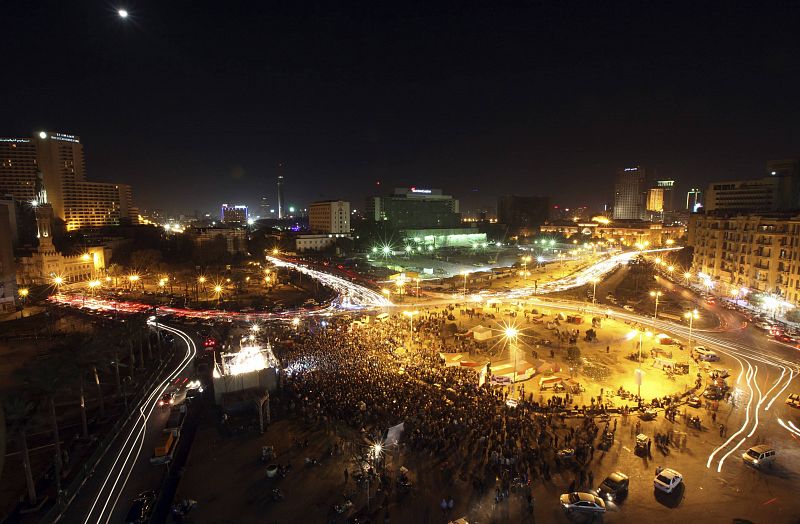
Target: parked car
[582,502]
[141,508]
[706,354]
[694,401]
[627,307]
[667,480]
[759,456]
[614,487]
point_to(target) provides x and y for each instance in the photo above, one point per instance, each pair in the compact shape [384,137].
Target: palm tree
[84,354]
[20,412]
[47,378]
[115,271]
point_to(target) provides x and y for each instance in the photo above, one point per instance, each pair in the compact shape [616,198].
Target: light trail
[741,430]
[780,393]
[794,430]
[135,440]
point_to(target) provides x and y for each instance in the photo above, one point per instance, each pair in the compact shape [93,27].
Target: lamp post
[410,315]
[23,296]
[655,294]
[58,282]
[594,289]
[511,335]
[691,315]
[465,273]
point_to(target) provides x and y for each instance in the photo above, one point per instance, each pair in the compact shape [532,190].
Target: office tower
[329,216]
[57,160]
[415,208]
[629,193]
[234,215]
[281,202]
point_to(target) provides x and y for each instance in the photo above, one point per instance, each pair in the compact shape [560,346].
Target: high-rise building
[234,215]
[655,200]
[56,161]
[329,216]
[694,200]
[522,213]
[629,193]
[415,208]
[757,252]
[8,271]
[281,202]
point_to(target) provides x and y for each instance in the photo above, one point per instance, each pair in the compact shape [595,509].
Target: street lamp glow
[217,289]
[511,332]
[133,278]
[386,250]
[202,280]
[23,292]
[123,13]
[58,280]
[295,321]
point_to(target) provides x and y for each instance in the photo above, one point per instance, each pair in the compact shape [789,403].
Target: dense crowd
[374,377]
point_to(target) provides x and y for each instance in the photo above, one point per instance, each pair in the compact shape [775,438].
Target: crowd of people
[374,377]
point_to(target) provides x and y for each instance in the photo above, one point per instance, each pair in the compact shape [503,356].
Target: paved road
[125,470]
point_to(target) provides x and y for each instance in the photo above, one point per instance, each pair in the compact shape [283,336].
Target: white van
[758,456]
[383,317]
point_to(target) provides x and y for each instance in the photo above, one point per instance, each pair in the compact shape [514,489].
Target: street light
[410,315]
[641,334]
[687,276]
[23,296]
[511,334]
[465,273]
[655,294]
[594,282]
[691,315]
[58,282]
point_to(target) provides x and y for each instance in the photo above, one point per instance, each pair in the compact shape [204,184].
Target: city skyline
[466,114]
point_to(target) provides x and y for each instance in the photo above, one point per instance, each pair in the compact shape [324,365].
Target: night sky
[197,103]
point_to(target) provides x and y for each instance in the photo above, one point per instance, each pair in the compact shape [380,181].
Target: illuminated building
[329,216]
[627,233]
[758,252]
[234,215]
[415,208]
[57,159]
[522,214]
[629,193]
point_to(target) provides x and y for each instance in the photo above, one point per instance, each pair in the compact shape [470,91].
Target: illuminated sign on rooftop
[65,138]
[423,191]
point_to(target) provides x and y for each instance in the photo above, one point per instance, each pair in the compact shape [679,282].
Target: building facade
[55,161]
[629,193]
[329,216]
[764,195]
[694,200]
[234,215]
[415,208]
[758,252]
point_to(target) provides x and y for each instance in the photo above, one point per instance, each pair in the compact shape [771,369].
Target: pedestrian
[450,505]
[649,443]
[346,475]
[443,505]
[714,417]
[721,430]
[608,348]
